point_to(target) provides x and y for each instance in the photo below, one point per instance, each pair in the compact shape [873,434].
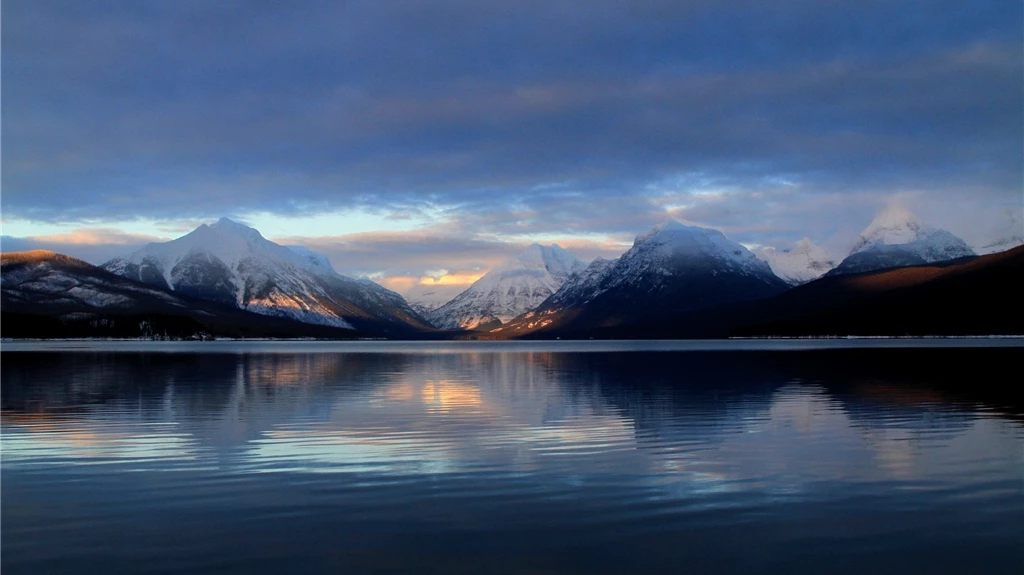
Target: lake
[779,456]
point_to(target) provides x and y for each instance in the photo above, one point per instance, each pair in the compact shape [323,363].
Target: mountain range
[675,281]
[45,294]
[670,270]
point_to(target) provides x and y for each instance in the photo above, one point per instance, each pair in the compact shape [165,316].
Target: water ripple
[139,462]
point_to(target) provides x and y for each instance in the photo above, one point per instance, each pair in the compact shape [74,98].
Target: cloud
[98,236]
[453,281]
[401,259]
[94,245]
[459,278]
[548,118]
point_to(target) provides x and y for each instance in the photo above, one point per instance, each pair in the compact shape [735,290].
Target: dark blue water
[523,458]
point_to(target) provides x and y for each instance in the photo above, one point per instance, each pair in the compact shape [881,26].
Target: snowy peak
[894,219]
[677,235]
[552,259]
[897,238]
[515,287]
[661,230]
[804,262]
[672,244]
[227,235]
[670,270]
[894,225]
[1009,233]
[228,226]
[233,264]
[535,254]
[225,242]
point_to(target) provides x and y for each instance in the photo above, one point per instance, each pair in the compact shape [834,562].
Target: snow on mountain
[669,270]
[1008,235]
[585,285]
[893,225]
[804,262]
[518,285]
[63,281]
[317,260]
[232,263]
[577,291]
[45,294]
[426,297]
[897,238]
[672,247]
[1002,244]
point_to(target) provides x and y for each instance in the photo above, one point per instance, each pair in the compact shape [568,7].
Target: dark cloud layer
[526,117]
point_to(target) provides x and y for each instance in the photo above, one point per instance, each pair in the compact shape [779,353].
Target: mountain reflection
[401,458]
[693,420]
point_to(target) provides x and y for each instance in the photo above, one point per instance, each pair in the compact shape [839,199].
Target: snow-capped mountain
[897,238]
[804,262]
[1008,235]
[64,282]
[673,268]
[231,263]
[673,255]
[518,285]
[313,258]
[576,292]
[46,294]
[426,297]
[585,285]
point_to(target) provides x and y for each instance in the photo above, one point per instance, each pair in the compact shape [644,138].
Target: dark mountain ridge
[977,297]
[670,271]
[48,295]
[51,295]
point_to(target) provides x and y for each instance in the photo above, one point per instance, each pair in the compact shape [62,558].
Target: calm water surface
[512,458]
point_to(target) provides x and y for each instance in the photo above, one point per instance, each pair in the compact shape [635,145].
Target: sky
[418,141]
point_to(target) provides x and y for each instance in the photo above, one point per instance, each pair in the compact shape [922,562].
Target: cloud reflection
[683,425]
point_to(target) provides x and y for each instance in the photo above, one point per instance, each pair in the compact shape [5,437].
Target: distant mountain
[670,270]
[1009,234]
[516,286]
[800,264]
[978,297]
[578,291]
[897,238]
[586,285]
[233,264]
[426,297]
[45,294]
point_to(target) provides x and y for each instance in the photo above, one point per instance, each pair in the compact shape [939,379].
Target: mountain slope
[670,270]
[800,264]
[897,238]
[518,285]
[45,294]
[233,264]
[577,292]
